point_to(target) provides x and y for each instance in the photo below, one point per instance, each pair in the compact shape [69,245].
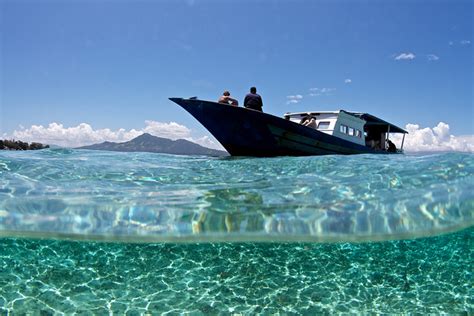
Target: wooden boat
[246,132]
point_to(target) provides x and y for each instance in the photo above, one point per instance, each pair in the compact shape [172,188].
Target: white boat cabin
[360,128]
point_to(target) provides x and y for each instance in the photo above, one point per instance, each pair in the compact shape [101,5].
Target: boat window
[351,131]
[343,129]
[358,133]
[323,125]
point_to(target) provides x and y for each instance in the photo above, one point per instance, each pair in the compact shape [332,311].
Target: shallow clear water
[422,276]
[414,214]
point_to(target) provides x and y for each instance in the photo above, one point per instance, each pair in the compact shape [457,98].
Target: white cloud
[405,56]
[206,141]
[437,138]
[83,134]
[170,130]
[462,43]
[432,57]
[348,81]
[294,98]
[314,92]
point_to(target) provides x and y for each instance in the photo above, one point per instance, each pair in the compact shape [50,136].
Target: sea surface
[95,232]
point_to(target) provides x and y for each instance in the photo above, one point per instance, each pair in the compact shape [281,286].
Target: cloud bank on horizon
[419,139]
[84,134]
[437,139]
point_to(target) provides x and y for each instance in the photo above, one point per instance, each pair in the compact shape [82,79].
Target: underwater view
[99,232]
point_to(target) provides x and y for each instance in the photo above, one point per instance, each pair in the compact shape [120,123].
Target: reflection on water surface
[150,197]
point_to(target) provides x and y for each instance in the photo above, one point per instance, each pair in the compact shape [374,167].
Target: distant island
[154,144]
[19,145]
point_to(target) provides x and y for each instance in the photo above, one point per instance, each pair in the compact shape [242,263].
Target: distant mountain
[153,144]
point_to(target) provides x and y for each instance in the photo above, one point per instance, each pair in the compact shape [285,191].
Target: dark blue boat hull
[245,132]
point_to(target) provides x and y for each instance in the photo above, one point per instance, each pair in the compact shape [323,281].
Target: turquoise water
[367,233]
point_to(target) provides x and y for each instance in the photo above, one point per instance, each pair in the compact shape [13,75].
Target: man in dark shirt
[391,147]
[253,100]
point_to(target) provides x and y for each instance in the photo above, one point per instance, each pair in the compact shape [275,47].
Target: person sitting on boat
[391,147]
[309,121]
[226,99]
[253,100]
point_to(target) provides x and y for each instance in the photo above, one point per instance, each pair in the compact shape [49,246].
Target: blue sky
[113,64]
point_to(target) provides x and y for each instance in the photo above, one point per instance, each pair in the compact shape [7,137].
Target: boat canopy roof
[375,121]
[311,113]
[369,118]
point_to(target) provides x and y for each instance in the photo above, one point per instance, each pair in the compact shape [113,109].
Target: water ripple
[152,197]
